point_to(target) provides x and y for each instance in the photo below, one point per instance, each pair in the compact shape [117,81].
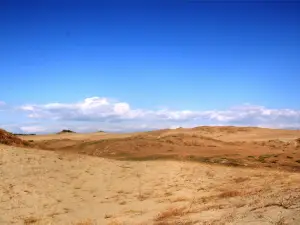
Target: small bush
[67,131]
[229,194]
[30,220]
[263,157]
[241,179]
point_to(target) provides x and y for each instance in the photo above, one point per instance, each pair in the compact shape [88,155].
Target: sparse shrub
[209,173]
[122,203]
[241,179]
[229,194]
[30,220]
[212,146]
[25,143]
[66,131]
[107,216]
[262,158]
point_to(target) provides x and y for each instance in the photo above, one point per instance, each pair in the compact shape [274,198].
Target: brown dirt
[235,146]
[7,138]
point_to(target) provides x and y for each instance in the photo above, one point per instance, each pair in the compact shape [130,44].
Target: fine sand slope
[43,187]
[238,146]
[11,139]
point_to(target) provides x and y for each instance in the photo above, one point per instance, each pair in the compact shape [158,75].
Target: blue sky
[155,56]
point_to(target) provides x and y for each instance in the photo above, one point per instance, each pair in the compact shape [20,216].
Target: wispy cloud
[95,112]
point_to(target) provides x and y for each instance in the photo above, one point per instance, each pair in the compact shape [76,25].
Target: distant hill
[66,131]
[23,134]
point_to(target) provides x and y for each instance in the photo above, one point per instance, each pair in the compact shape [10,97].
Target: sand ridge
[240,146]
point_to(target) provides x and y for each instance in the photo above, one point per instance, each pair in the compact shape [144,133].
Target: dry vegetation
[7,138]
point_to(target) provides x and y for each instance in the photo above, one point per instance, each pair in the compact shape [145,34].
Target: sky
[123,66]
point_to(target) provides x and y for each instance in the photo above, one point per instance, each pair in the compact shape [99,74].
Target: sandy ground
[240,146]
[43,187]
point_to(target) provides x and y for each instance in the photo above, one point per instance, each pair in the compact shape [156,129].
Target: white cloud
[94,108]
[98,113]
[33,129]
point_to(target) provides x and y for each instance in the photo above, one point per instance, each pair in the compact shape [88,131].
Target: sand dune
[42,187]
[12,140]
[203,175]
[240,146]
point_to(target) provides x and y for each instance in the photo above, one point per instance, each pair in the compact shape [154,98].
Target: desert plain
[202,175]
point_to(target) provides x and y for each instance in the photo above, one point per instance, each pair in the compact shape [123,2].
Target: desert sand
[235,146]
[71,186]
